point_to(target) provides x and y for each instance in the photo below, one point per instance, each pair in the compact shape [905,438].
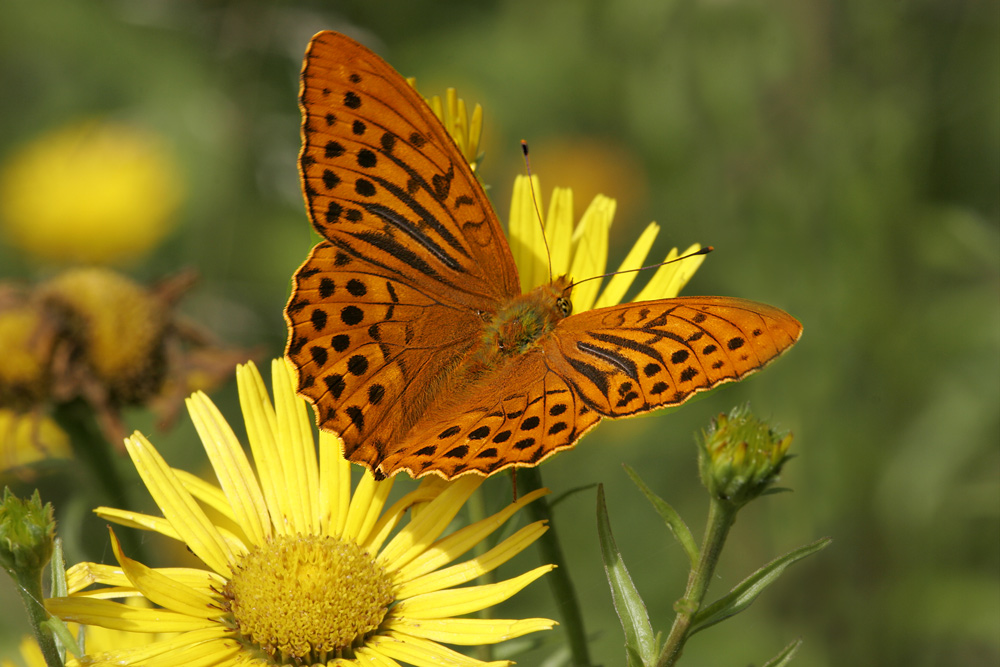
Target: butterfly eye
[565,306]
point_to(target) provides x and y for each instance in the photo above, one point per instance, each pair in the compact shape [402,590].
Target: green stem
[559,580]
[477,511]
[30,589]
[90,447]
[721,516]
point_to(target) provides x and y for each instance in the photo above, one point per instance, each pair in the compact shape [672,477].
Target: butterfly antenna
[534,200]
[704,251]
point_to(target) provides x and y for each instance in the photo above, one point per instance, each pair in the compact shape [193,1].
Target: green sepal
[744,593]
[670,516]
[785,656]
[640,641]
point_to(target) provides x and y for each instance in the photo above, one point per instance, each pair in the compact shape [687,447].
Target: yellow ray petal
[615,290]
[668,280]
[464,572]
[145,654]
[242,493]
[262,425]
[164,591]
[119,616]
[390,518]
[590,257]
[179,508]
[559,230]
[424,653]
[453,546]
[423,529]
[456,602]
[294,434]
[334,484]
[470,631]
[526,242]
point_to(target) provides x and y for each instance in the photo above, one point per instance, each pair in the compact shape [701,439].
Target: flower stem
[721,516]
[477,511]
[92,448]
[559,580]
[30,589]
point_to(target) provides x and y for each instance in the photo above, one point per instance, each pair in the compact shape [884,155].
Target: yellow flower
[30,438]
[582,251]
[311,574]
[454,115]
[90,192]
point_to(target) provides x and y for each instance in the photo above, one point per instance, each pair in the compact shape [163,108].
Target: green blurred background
[843,156]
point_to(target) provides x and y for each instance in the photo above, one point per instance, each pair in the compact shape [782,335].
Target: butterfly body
[407,325]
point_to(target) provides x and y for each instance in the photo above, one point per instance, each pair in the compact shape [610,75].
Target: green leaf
[673,520]
[785,656]
[639,638]
[745,592]
[555,500]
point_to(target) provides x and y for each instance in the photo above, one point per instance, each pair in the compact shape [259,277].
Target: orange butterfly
[407,325]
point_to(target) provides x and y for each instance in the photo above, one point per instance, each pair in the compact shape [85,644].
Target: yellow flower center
[307,597]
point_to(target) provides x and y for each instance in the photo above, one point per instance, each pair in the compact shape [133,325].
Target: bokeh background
[842,156]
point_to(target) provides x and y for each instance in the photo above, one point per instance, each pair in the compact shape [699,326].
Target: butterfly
[408,329]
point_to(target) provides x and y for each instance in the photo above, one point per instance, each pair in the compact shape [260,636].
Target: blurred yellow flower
[95,192]
[30,438]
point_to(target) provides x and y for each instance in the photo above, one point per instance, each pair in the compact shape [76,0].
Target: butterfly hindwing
[634,357]
[524,414]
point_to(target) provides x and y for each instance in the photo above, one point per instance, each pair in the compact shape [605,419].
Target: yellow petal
[210,640]
[295,441]
[475,567]
[423,529]
[424,653]
[470,631]
[164,591]
[526,241]
[179,508]
[232,469]
[590,256]
[456,602]
[119,616]
[161,525]
[453,546]
[559,230]
[615,290]
[262,424]
[334,484]
[366,506]
[387,522]
[668,280]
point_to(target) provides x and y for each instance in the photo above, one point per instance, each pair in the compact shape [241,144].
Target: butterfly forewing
[638,356]
[383,179]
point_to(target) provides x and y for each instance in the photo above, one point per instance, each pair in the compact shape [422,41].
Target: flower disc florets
[307,597]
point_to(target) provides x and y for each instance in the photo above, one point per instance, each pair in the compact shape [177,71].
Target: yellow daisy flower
[582,251]
[303,571]
[454,114]
[92,191]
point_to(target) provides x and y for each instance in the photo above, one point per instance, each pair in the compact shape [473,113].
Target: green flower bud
[26,533]
[740,456]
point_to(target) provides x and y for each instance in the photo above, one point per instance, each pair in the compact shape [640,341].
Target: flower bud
[26,533]
[740,456]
